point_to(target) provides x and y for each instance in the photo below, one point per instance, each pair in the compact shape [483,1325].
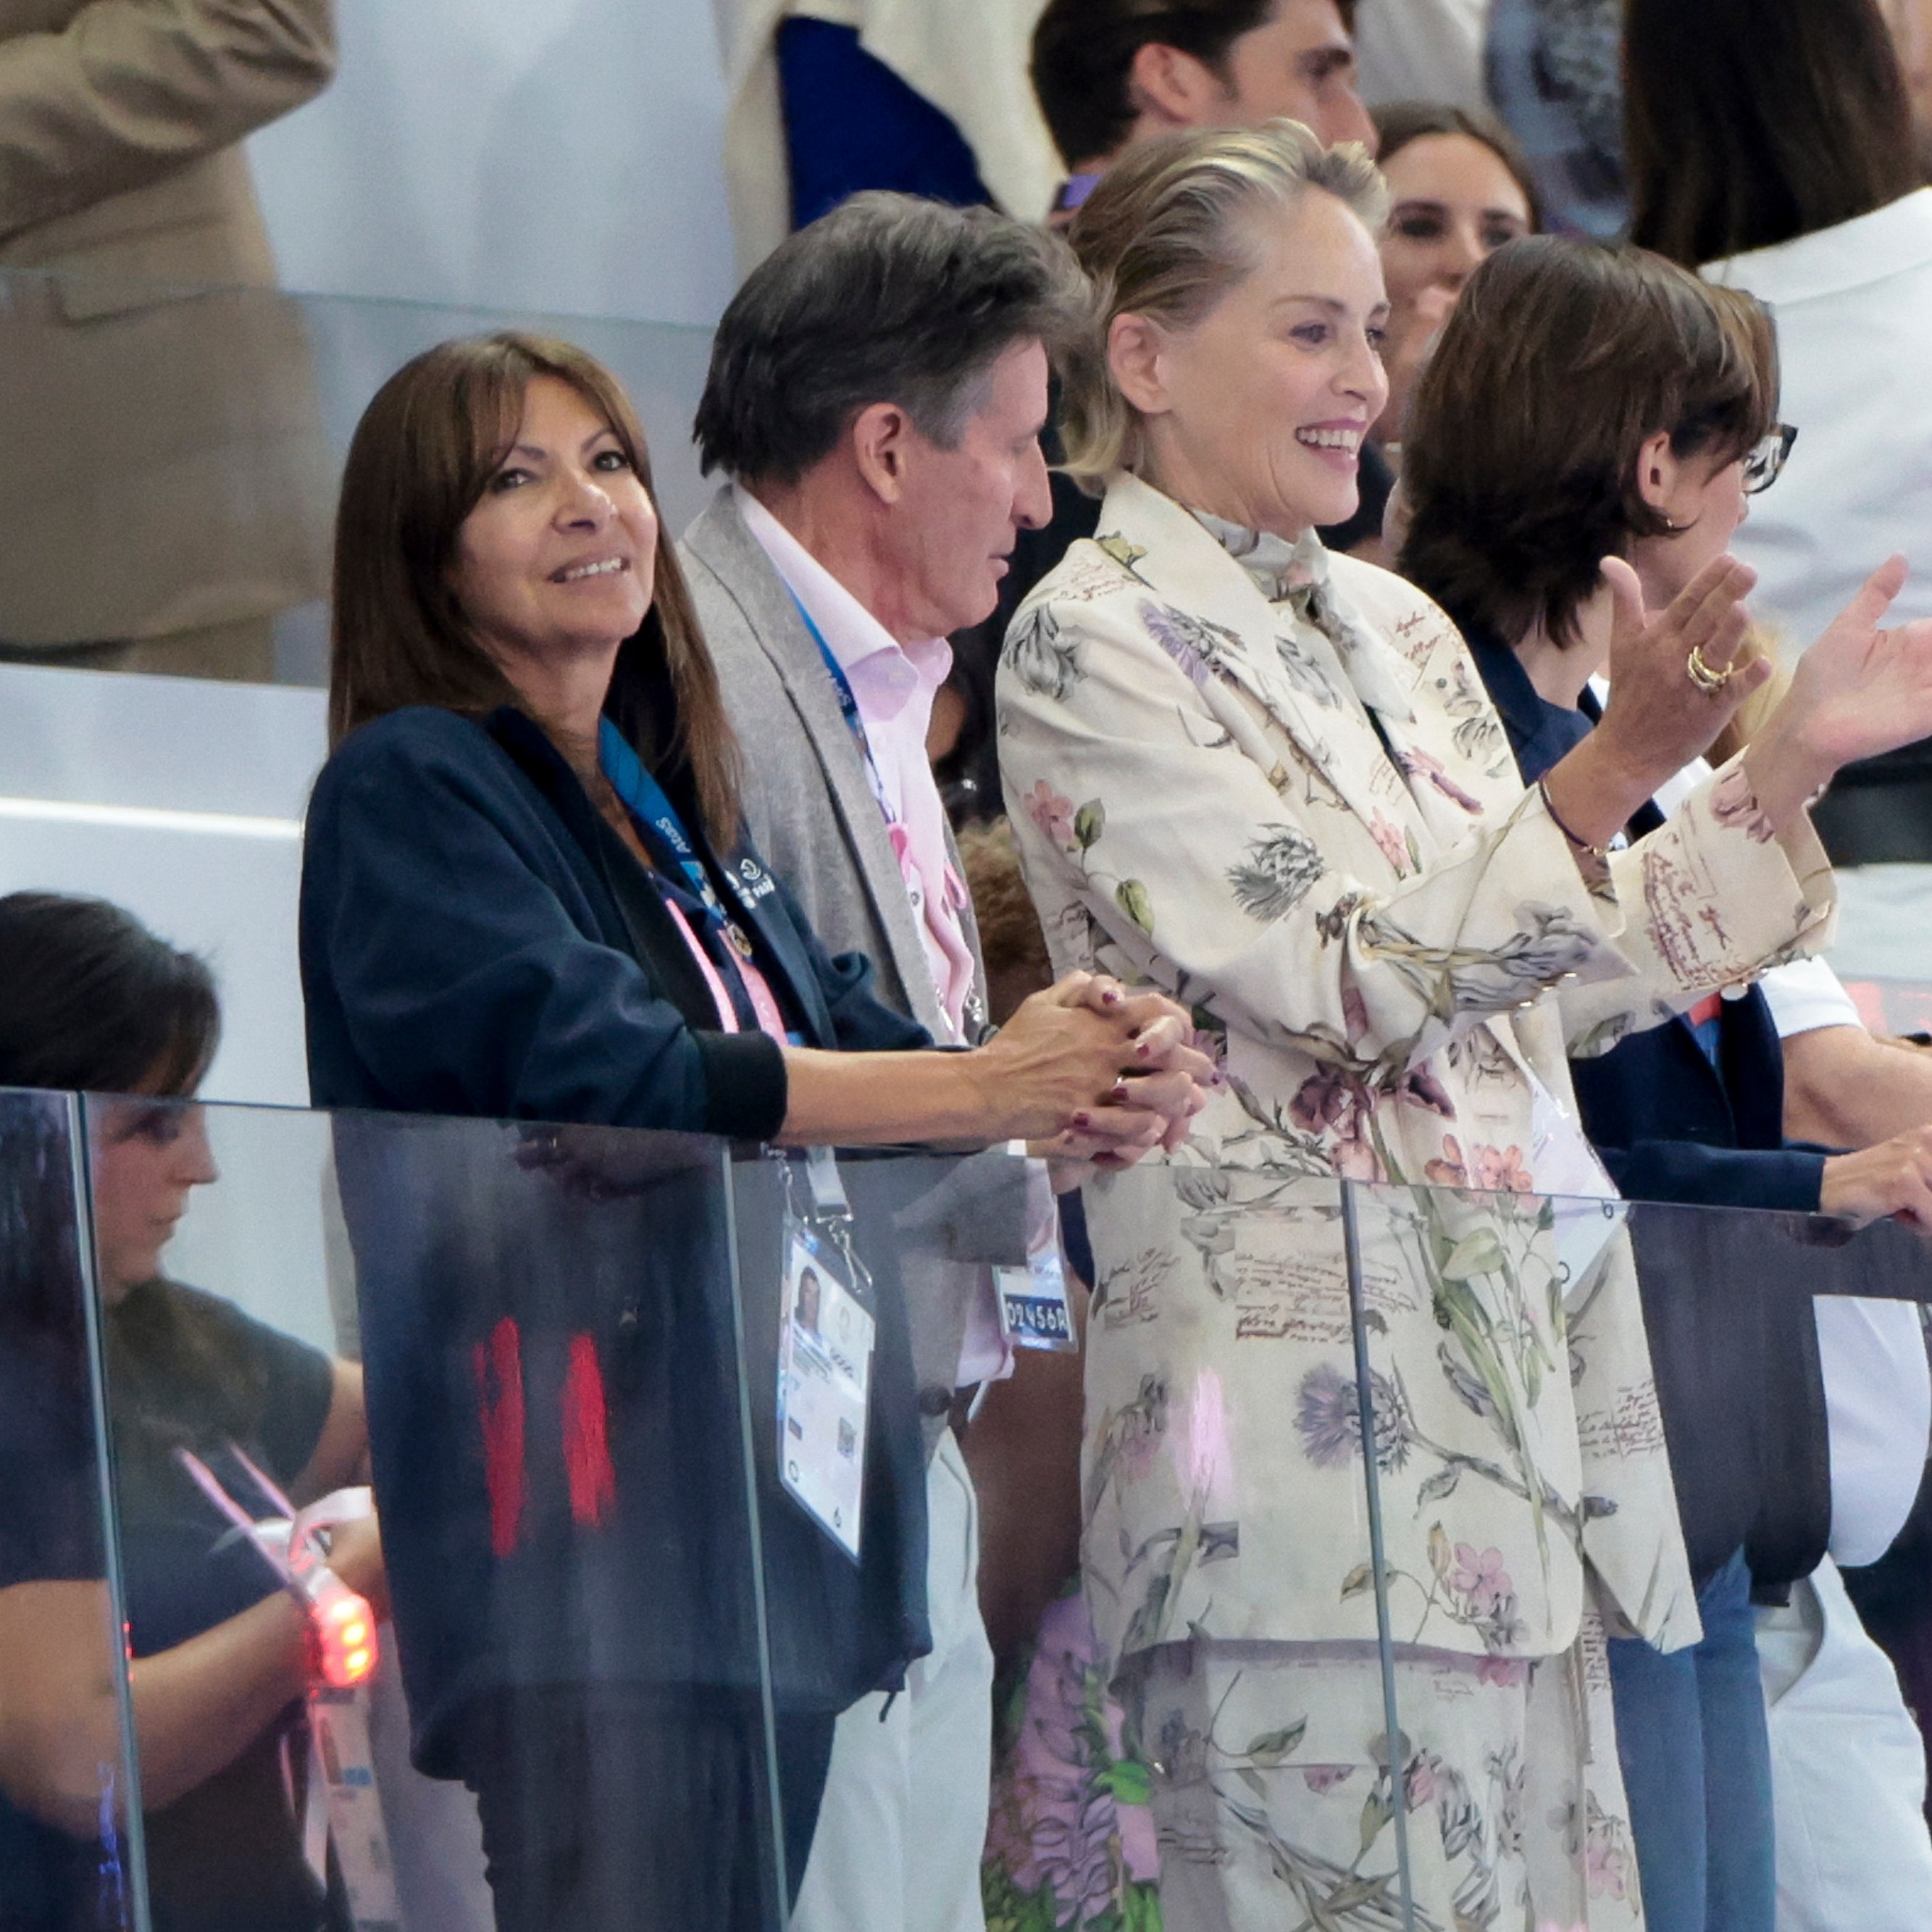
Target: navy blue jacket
[1668,1124]
[476,940]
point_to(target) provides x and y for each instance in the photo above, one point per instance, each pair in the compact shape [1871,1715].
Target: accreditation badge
[825,1377]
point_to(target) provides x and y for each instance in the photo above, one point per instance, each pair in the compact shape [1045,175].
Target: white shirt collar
[1848,255]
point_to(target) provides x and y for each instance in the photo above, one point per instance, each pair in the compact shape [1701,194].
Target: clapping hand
[1858,691]
[1675,679]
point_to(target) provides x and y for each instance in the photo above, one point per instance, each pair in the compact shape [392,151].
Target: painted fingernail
[1119,1092]
[1083,1120]
[1142,1050]
[1111,997]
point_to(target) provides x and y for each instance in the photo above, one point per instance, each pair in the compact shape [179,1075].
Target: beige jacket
[1394,953]
[168,469]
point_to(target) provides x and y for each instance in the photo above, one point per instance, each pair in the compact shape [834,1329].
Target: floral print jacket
[1270,782]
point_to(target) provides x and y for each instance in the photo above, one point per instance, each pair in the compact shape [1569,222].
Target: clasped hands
[1121,1066]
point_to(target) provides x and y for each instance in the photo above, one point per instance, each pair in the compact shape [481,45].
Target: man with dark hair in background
[1110,73]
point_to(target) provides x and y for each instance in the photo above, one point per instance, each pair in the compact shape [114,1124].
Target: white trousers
[1847,1771]
[903,1825]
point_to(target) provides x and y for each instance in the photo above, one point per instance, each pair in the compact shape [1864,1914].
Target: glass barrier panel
[542,1700]
[69,1853]
[179,449]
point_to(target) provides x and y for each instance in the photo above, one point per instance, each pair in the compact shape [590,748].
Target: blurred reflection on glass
[61,1862]
[224,1656]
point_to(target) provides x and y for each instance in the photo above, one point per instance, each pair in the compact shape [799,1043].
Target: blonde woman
[1269,780]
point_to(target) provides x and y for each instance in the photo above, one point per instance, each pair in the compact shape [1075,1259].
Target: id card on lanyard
[825,1338]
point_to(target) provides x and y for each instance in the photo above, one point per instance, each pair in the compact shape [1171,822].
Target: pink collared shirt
[893,685]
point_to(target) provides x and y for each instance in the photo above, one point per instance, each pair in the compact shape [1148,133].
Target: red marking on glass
[499,1392]
[586,1446]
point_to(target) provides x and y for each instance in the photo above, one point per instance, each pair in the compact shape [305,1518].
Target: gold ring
[1709,682]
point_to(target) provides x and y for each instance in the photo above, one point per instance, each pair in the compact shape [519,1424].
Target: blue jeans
[1696,1765]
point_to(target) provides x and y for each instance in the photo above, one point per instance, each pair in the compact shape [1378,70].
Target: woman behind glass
[526,895]
[1271,779]
[222,1657]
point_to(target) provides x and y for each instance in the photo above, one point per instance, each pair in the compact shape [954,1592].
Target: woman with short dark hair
[1587,402]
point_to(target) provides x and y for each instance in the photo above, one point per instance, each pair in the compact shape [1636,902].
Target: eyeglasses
[1762,464]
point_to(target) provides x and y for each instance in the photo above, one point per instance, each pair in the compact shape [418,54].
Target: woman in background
[1459,189]
[223,1657]
[1586,401]
[1772,150]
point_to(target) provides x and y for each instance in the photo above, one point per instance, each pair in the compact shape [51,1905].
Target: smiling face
[950,527]
[146,1156]
[1256,413]
[557,560]
[1455,204]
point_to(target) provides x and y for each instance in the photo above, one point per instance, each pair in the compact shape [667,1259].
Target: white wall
[564,156]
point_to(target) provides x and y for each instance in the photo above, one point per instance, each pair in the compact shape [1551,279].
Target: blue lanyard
[656,815]
[848,707]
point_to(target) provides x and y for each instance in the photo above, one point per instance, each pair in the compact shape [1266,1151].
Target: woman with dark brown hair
[1587,402]
[526,894]
[1772,149]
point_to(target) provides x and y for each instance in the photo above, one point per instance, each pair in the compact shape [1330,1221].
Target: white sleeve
[1805,995]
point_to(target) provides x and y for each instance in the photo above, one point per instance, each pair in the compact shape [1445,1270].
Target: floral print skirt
[1070,1847]
[1274,1790]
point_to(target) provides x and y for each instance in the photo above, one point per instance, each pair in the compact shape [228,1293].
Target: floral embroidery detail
[1328,1413]
[1070,1841]
[1422,764]
[1733,803]
[1305,672]
[1053,814]
[1449,1170]
[1482,1579]
[1046,664]
[1394,842]
[1200,648]
[1501,1171]
[1281,865]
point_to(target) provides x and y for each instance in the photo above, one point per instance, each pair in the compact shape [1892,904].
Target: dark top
[188,1370]
[50,1532]
[477,941]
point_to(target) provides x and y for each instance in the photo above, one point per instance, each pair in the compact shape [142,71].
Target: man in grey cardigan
[877,392]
